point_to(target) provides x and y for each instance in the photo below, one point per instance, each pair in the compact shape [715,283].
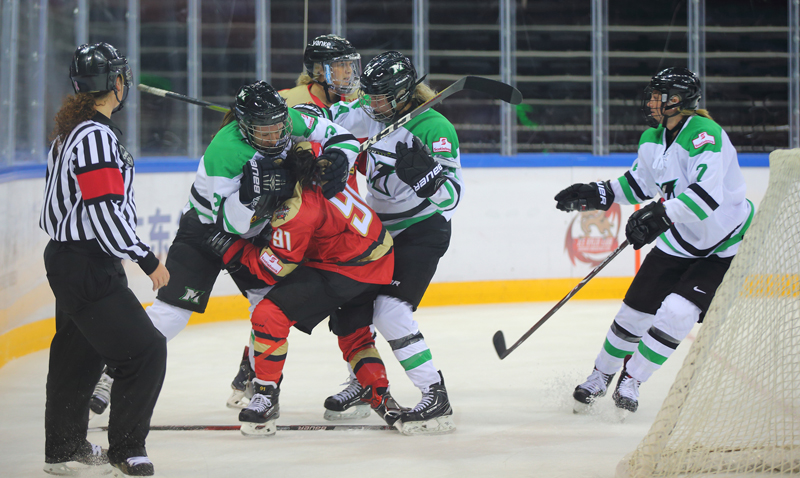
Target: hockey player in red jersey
[325,258]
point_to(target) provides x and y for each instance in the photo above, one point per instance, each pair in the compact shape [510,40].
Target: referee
[90,215]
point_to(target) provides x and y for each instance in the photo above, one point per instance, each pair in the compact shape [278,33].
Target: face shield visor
[342,74]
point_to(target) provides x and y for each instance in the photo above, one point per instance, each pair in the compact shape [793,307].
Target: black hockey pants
[98,320]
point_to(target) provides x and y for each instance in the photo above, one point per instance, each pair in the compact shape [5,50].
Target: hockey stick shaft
[279,427]
[177,96]
[499,340]
[497,89]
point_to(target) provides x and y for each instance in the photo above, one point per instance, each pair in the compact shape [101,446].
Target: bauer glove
[228,247]
[585,197]
[334,171]
[415,167]
[646,224]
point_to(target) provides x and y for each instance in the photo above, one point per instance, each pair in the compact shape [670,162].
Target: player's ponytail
[699,112]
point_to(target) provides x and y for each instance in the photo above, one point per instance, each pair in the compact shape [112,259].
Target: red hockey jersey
[341,235]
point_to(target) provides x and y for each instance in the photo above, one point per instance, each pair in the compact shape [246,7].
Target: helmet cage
[263,118]
[388,79]
[269,139]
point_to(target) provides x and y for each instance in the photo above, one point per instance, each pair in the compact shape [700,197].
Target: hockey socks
[270,330]
[359,351]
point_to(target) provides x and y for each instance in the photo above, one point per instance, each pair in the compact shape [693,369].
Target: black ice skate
[349,403]
[258,419]
[134,466]
[384,405]
[242,384]
[626,395]
[101,396]
[432,415]
[87,458]
[593,388]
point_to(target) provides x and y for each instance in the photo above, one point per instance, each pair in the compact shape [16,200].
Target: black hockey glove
[228,247]
[250,188]
[277,185]
[585,197]
[646,224]
[334,170]
[415,167]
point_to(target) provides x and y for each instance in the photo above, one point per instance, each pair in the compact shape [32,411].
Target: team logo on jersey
[309,121]
[668,188]
[271,261]
[281,212]
[703,138]
[592,235]
[442,146]
[192,295]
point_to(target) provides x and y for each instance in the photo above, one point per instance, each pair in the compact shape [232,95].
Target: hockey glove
[646,224]
[277,185]
[250,188]
[228,247]
[334,170]
[585,197]
[415,167]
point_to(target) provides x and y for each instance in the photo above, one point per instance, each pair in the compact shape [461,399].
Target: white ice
[514,416]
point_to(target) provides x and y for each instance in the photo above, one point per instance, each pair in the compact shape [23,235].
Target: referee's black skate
[88,458]
[242,384]
[101,396]
[134,466]
[433,414]
[258,419]
[586,393]
[349,403]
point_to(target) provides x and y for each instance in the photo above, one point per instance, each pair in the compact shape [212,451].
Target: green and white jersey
[219,174]
[396,203]
[703,188]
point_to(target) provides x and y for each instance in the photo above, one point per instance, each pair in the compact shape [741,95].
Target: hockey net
[734,409]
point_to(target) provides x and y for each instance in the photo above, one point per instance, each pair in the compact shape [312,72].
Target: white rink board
[506,228]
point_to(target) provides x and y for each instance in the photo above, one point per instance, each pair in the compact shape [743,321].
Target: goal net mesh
[734,409]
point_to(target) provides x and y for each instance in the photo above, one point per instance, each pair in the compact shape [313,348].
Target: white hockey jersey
[703,188]
[396,203]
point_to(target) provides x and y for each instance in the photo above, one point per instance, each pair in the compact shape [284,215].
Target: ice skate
[347,404]
[242,384]
[586,393]
[101,396]
[432,415]
[134,466]
[258,419]
[89,460]
[384,405]
[626,395]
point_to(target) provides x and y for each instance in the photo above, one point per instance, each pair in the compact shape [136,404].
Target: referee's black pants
[98,320]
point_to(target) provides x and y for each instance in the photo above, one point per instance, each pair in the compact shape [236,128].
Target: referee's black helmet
[95,68]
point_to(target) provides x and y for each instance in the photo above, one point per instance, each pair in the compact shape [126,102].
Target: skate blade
[237,400]
[353,413]
[434,426]
[265,429]
[77,469]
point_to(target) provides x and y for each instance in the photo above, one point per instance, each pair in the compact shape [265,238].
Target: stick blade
[496,89]
[499,344]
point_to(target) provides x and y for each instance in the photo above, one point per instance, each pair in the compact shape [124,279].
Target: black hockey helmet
[389,78]
[672,82]
[95,68]
[339,61]
[263,118]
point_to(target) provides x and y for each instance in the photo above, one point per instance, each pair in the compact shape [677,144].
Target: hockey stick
[237,427]
[177,96]
[500,341]
[496,89]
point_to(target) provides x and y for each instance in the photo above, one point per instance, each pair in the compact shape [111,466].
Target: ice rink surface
[514,416]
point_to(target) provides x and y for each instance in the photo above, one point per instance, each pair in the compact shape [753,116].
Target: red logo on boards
[592,235]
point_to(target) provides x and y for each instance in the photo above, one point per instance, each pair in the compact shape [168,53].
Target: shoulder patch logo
[442,145]
[703,138]
[281,212]
[309,121]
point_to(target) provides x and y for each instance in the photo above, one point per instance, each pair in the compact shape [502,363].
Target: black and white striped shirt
[89,193]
